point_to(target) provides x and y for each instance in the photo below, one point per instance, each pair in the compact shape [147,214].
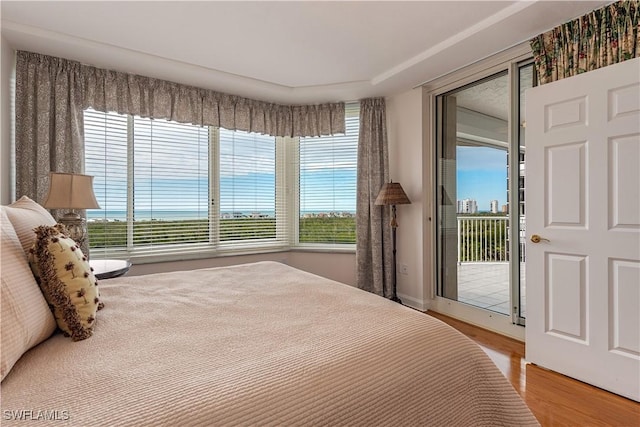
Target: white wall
[336,266]
[7,60]
[405,127]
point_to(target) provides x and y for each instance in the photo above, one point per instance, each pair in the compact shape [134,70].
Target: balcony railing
[483,239]
[486,238]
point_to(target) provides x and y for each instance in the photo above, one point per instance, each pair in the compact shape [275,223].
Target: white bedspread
[258,344]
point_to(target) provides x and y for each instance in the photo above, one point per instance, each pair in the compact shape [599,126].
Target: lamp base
[77,227]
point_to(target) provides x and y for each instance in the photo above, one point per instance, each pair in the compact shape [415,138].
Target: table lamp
[72,191]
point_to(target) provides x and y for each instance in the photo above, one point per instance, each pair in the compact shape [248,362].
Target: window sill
[177,254]
[182,255]
[341,249]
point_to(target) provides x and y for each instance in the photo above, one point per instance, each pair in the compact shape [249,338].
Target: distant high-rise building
[505,208]
[467,206]
[494,206]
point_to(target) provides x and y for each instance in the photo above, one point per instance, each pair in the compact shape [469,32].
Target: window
[167,187]
[249,200]
[167,164]
[328,174]
[170,183]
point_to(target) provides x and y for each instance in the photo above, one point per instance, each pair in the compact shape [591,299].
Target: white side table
[109,268]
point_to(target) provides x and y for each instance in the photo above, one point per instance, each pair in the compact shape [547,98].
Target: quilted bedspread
[258,344]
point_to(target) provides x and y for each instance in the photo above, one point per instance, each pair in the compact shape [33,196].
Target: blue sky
[482,175]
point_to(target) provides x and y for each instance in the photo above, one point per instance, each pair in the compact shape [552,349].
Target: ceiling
[283,51]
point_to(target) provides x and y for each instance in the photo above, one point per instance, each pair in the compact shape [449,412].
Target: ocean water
[142,214]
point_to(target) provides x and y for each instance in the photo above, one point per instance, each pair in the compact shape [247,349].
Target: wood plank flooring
[554,399]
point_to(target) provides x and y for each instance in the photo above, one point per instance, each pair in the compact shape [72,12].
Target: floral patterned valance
[602,37]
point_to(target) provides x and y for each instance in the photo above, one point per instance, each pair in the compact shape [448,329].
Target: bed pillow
[26,319]
[66,280]
[25,215]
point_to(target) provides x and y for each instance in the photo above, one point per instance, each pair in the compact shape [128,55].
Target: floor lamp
[392,194]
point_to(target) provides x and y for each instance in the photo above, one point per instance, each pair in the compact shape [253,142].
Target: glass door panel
[481,197]
[473,208]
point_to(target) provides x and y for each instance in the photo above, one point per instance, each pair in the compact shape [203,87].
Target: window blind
[170,183]
[327,184]
[150,179]
[250,204]
[106,159]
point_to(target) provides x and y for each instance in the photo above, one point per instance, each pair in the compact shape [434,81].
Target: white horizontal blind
[170,183]
[105,138]
[151,179]
[328,171]
[249,203]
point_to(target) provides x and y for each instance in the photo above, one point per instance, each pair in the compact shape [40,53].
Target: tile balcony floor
[486,285]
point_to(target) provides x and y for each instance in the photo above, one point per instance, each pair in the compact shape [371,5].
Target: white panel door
[583,203]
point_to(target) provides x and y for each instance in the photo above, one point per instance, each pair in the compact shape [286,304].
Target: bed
[257,344]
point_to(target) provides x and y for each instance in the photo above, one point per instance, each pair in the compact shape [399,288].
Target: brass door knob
[537,239]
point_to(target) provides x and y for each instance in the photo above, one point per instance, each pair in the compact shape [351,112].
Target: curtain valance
[108,90]
[602,37]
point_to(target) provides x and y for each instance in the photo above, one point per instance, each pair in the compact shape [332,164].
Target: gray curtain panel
[374,256]
[49,122]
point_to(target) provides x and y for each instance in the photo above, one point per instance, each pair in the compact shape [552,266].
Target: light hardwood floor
[554,399]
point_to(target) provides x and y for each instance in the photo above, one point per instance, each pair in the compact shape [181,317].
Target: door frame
[506,60]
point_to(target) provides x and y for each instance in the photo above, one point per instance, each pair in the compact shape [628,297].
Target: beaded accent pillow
[66,280]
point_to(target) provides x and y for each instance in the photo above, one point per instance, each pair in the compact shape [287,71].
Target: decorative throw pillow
[25,215]
[26,319]
[66,280]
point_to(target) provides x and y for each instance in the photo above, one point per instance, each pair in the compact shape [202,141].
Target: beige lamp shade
[70,191]
[392,193]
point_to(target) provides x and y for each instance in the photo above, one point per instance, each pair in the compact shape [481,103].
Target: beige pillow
[25,215]
[66,280]
[26,319]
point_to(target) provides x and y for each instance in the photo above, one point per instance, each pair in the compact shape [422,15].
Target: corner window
[166,187]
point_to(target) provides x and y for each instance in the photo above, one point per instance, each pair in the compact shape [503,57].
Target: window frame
[287,215]
[431,90]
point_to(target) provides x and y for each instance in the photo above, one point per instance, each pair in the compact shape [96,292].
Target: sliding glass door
[480,206]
